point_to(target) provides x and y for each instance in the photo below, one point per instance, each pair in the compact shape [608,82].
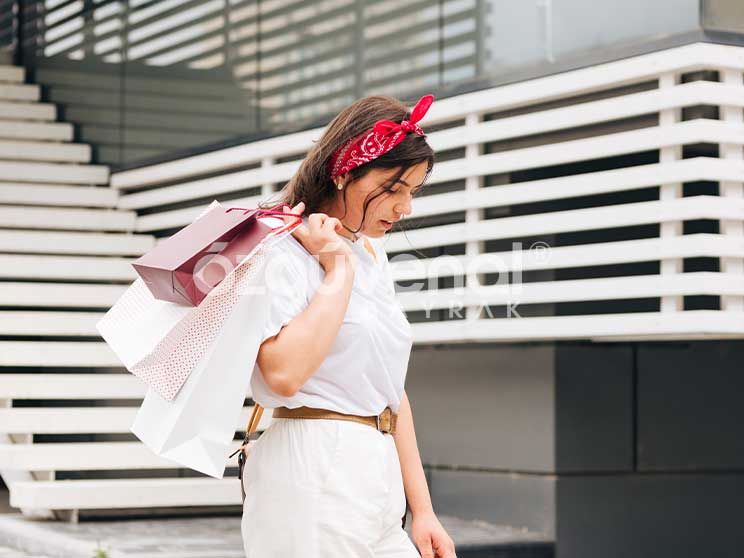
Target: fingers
[297,209]
[426,550]
[331,224]
[300,231]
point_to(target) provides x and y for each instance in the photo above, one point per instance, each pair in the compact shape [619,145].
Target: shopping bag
[161,342]
[196,429]
[186,266]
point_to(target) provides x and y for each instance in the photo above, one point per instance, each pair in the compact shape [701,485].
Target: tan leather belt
[384,422]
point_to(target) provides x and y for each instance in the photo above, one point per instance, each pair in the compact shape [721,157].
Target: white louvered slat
[608,145]
[601,182]
[689,324]
[605,288]
[630,214]
[601,253]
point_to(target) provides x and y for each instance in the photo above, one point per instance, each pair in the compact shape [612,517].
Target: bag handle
[253,422]
[271,211]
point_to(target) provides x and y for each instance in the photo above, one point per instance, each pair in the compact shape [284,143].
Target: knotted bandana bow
[385,135]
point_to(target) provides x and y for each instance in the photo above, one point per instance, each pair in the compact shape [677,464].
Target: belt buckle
[386,412]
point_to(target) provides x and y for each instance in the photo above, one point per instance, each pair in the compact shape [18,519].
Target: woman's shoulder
[292,254]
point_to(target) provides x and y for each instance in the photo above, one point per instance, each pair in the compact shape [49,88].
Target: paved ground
[7,552]
[201,537]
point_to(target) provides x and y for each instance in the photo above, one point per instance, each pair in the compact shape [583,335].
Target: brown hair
[312,182]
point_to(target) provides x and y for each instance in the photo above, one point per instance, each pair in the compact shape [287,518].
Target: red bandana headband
[385,135]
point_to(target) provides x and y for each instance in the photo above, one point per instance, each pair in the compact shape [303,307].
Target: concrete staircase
[66,404]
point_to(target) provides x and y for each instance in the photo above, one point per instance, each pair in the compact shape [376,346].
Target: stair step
[28,111]
[18,150]
[53,172]
[12,74]
[57,194]
[19,92]
[88,456]
[67,219]
[74,268]
[66,420]
[85,420]
[65,295]
[104,244]
[40,324]
[71,386]
[125,493]
[57,353]
[50,131]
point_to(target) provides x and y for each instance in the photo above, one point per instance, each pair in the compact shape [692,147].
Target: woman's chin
[376,233]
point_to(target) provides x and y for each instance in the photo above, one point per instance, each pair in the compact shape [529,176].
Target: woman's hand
[321,239]
[430,537]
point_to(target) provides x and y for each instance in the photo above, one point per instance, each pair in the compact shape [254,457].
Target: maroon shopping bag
[185,267]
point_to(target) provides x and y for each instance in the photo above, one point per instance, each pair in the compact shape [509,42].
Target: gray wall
[616,449]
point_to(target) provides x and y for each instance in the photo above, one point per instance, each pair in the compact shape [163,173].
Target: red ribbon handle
[272,211]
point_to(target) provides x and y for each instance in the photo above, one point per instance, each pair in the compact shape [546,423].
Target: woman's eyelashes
[414,192]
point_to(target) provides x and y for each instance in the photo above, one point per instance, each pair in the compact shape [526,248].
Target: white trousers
[324,488]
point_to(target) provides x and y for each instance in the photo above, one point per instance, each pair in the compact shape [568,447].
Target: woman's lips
[386,224]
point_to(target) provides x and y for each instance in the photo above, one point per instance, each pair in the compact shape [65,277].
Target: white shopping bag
[161,342]
[197,428]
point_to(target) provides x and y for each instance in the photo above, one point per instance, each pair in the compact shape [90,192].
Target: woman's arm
[288,359]
[414,479]
[426,531]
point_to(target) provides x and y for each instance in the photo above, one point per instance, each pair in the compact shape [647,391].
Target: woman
[336,350]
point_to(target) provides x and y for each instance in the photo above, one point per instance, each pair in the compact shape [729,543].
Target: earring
[339,185]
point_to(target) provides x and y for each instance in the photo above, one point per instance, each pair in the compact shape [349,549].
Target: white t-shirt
[365,369]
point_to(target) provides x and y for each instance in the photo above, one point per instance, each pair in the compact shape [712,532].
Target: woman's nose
[403,208]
